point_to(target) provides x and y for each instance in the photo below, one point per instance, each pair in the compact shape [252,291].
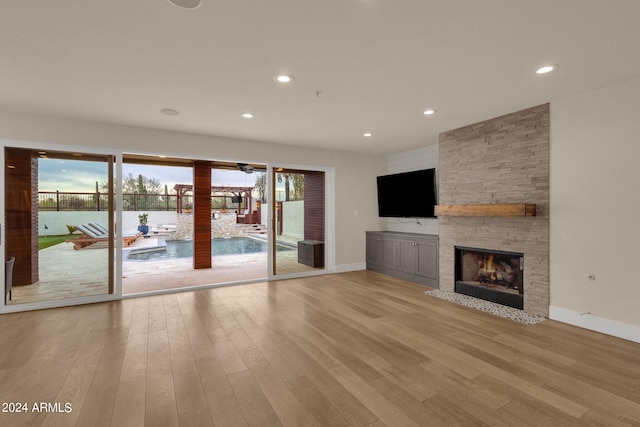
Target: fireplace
[490,275]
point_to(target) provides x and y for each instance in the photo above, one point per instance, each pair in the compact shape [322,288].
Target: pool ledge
[146,244]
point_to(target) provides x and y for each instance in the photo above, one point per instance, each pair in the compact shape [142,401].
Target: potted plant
[188,208]
[224,208]
[143,227]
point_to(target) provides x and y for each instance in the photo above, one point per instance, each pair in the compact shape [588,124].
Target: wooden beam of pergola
[214,188]
[182,189]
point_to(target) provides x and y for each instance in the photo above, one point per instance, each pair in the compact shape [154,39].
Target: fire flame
[489,268]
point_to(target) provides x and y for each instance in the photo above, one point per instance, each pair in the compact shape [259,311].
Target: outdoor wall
[293,219]
[594,209]
[57,221]
[130,219]
[354,187]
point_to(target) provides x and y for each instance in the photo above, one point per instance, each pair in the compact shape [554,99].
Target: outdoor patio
[67,273]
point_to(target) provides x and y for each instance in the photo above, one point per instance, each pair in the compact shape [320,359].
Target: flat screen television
[408,195]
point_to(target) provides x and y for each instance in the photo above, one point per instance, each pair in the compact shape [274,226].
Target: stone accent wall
[184,227]
[502,160]
[223,226]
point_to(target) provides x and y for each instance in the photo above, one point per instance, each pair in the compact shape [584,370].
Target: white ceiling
[377,64]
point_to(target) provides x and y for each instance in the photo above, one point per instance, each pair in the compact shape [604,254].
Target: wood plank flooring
[350,349]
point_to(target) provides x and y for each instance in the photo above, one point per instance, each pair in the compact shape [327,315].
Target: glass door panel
[59,224]
[298,225]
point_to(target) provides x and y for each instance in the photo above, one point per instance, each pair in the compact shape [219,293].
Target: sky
[81,176]
[70,175]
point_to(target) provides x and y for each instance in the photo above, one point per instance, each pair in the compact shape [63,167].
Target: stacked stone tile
[502,160]
[223,226]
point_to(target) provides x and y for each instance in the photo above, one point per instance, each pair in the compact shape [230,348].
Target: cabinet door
[407,256]
[308,254]
[427,259]
[373,249]
[388,253]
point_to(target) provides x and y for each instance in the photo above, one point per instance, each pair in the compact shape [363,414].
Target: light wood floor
[355,348]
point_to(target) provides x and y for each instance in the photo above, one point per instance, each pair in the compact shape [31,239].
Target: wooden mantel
[494,209]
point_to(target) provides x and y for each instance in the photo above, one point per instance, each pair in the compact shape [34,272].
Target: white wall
[421,158]
[595,209]
[57,221]
[355,185]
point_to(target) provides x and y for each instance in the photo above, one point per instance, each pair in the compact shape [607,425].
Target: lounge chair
[104,232]
[101,228]
[101,231]
[91,235]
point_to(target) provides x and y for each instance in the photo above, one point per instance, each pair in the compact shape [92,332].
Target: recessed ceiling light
[368,134]
[169,112]
[162,157]
[247,116]
[283,78]
[429,112]
[186,4]
[11,166]
[546,69]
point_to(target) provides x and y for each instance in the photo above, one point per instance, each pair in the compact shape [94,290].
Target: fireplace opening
[490,275]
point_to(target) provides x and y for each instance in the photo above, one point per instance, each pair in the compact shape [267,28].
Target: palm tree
[298,185]
[261,186]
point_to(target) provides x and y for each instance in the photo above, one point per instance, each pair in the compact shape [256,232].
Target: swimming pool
[184,248]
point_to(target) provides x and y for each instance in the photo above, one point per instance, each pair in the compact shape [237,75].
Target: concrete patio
[67,273]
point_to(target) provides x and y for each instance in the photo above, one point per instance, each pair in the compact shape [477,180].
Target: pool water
[184,248]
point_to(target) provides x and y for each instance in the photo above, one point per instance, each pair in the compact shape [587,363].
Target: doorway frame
[117,264]
[118,155]
[329,220]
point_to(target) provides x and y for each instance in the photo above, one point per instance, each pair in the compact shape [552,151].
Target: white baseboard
[344,268]
[594,323]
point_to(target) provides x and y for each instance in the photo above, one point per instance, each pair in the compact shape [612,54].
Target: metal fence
[66,201]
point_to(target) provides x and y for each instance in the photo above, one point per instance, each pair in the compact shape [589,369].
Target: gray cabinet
[409,256]
[406,250]
[374,247]
[381,250]
[387,252]
[427,259]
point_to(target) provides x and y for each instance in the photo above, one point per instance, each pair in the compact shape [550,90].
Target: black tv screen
[407,195]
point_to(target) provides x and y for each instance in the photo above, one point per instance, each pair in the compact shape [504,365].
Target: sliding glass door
[59,235]
[59,225]
[298,227]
